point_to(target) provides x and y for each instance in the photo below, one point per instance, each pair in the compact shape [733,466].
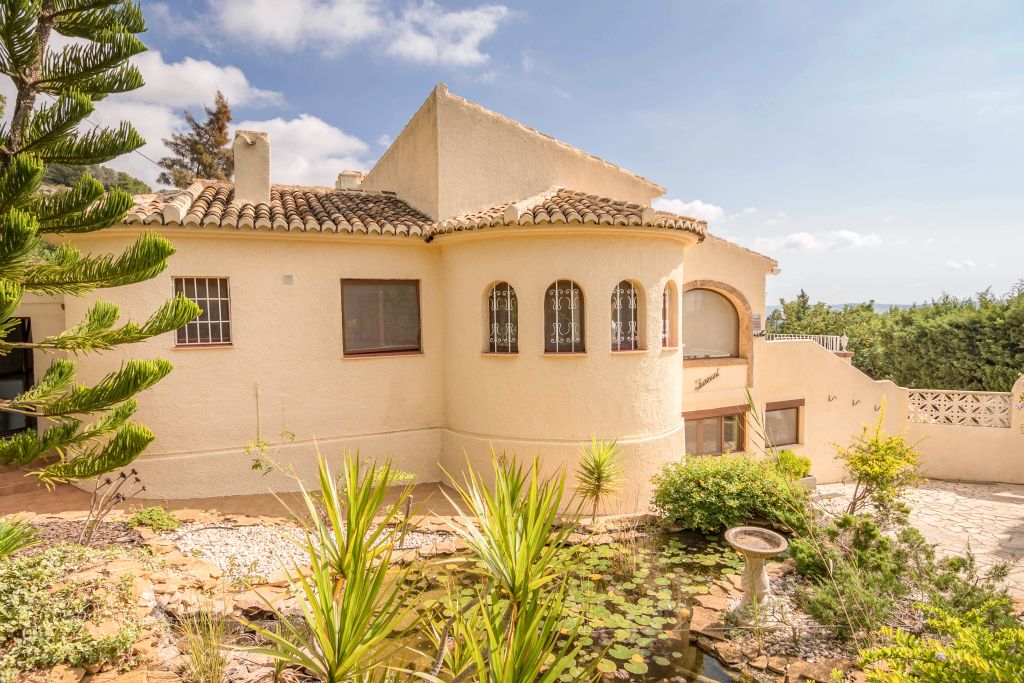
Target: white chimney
[252,166]
[349,180]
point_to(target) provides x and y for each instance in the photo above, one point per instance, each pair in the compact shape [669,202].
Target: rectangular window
[714,434]
[213,326]
[380,316]
[783,426]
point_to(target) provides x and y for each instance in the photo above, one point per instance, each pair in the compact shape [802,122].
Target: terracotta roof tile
[209,204]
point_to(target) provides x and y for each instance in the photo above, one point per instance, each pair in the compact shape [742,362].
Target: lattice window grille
[213,326]
[625,307]
[563,317]
[961,408]
[503,319]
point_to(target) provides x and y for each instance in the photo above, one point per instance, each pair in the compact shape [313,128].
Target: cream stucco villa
[482,285]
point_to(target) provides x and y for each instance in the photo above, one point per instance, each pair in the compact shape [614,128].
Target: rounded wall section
[536,403]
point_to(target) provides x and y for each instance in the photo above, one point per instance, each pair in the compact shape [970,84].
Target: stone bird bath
[756,545]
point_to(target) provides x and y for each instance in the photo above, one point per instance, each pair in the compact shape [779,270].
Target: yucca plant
[352,600]
[599,475]
[518,630]
[55,90]
[16,535]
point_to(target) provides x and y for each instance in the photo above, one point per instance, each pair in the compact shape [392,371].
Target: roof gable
[456,157]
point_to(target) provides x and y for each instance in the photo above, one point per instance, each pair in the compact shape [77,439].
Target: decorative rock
[777,665]
[760,662]
[707,623]
[729,652]
[65,674]
[818,671]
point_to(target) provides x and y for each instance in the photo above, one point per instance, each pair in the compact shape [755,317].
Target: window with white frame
[625,317]
[213,326]
[563,318]
[502,319]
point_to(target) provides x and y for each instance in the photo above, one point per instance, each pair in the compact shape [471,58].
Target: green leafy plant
[711,494]
[156,518]
[882,465]
[204,633]
[55,90]
[351,600]
[16,535]
[963,649]
[599,474]
[792,465]
[44,610]
[518,629]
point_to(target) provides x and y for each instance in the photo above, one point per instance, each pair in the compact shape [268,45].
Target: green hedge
[711,494]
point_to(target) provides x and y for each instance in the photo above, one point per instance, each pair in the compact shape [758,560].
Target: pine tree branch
[125,446]
[68,271]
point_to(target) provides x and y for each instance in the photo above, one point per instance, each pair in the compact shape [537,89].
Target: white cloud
[695,209]
[806,241]
[192,82]
[309,151]
[422,32]
[385,139]
[966,264]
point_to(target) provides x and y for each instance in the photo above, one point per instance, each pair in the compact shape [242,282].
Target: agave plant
[599,475]
[16,535]
[352,600]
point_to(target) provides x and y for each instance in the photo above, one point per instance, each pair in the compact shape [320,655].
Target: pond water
[634,597]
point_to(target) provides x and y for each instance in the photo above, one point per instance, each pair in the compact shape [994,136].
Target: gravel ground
[251,552]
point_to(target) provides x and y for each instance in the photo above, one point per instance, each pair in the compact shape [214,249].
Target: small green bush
[964,649]
[711,494]
[792,465]
[883,466]
[43,612]
[156,518]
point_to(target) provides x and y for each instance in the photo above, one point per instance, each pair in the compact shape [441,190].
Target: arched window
[669,313]
[563,318]
[711,325]
[502,319]
[625,317]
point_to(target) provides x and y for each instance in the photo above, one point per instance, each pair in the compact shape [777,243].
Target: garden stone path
[989,517]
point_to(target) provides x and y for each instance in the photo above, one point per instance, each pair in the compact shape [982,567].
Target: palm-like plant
[16,535]
[352,600]
[599,475]
[518,630]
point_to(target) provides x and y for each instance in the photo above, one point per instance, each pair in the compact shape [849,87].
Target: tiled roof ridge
[306,208]
[443,89]
[736,245]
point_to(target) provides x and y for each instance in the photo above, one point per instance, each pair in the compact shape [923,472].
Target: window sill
[499,354]
[628,352]
[564,354]
[212,345]
[380,354]
[670,348]
[707,362]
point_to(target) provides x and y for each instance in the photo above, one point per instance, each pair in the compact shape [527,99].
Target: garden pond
[634,598]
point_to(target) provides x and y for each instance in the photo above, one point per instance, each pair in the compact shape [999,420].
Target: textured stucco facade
[285,378]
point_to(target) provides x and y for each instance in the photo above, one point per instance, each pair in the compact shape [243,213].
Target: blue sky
[875,149]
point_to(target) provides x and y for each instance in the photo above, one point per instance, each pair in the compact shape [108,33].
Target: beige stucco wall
[974,453]
[550,404]
[284,369]
[455,156]
[839,399]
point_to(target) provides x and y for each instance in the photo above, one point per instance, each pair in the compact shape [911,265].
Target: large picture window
[711,326]
[502,319]
[563,318]
[710,434]
[625,317]
[380,316]
[213,326]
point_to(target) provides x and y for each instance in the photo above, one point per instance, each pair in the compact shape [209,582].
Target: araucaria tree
[88,429]
[202,152]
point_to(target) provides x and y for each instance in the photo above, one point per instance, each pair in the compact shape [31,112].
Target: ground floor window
[783,426]
[16,377]
[213,326]
[380,316]
[715,433]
